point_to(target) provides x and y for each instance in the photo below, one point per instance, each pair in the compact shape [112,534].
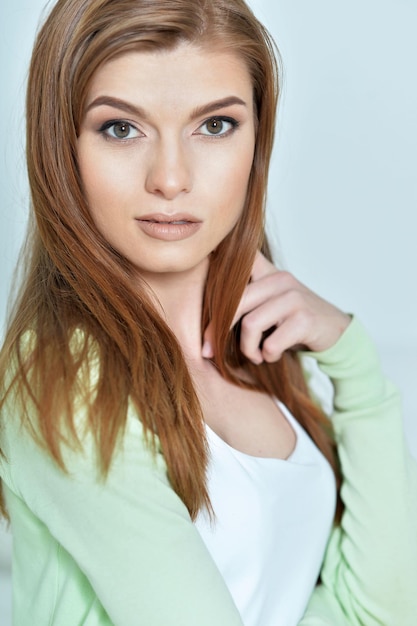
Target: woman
[156,465]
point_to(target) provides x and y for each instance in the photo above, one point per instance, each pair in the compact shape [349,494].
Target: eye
[218,126]
[119,129]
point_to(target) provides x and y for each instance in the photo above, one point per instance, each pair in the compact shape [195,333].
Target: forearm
[371,564]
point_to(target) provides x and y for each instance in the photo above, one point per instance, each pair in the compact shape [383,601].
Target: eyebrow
[132,109]
[206,109]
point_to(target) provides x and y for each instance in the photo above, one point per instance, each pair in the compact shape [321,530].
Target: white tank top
[273,520]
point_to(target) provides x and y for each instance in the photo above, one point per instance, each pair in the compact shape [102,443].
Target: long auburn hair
[77,286]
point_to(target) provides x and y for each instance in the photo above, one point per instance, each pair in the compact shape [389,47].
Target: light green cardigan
[125,552]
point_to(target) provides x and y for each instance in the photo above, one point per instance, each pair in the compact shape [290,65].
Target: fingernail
[206,350]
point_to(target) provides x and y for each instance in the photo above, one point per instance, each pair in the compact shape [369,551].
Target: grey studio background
[343,192]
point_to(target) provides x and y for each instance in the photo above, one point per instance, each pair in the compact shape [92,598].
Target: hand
[291,315]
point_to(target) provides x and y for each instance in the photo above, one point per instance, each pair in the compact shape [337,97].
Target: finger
[259,327]
[261,269]
[285,337]
[268,287]
[207,351]
[258,296]
[258,323]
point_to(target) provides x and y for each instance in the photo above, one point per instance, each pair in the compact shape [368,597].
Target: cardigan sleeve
[131,536]
[369,575]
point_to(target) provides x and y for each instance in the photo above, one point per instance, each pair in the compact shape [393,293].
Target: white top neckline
[273,520]
[292,456]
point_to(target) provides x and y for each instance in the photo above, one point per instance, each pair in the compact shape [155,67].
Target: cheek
[107,185]
[91,173]
[234,182]
[98,191]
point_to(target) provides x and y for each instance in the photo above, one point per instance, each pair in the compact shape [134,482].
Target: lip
[168,218]
[173,227]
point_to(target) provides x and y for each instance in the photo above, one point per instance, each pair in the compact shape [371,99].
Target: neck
[180,297]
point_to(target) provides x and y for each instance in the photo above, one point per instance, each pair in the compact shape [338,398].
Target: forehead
[183,76]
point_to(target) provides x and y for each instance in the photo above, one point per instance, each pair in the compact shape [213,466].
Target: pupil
[215,126]
[121,130]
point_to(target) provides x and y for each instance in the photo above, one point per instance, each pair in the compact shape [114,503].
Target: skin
[174,160]
[179,143]
[302,319]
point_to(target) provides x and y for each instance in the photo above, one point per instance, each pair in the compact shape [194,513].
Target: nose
[169,172]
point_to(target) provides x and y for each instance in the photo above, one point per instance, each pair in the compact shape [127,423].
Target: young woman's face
[165,152]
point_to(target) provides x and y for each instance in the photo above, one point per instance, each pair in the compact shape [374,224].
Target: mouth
[175,227]
[165,221]
[177,219]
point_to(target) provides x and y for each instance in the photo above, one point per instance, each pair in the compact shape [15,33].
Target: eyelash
[105,128]
[220,118]
[110,123]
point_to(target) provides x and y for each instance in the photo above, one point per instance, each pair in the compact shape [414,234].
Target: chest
[247,420]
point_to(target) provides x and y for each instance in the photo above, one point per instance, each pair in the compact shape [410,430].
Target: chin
[174,268]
